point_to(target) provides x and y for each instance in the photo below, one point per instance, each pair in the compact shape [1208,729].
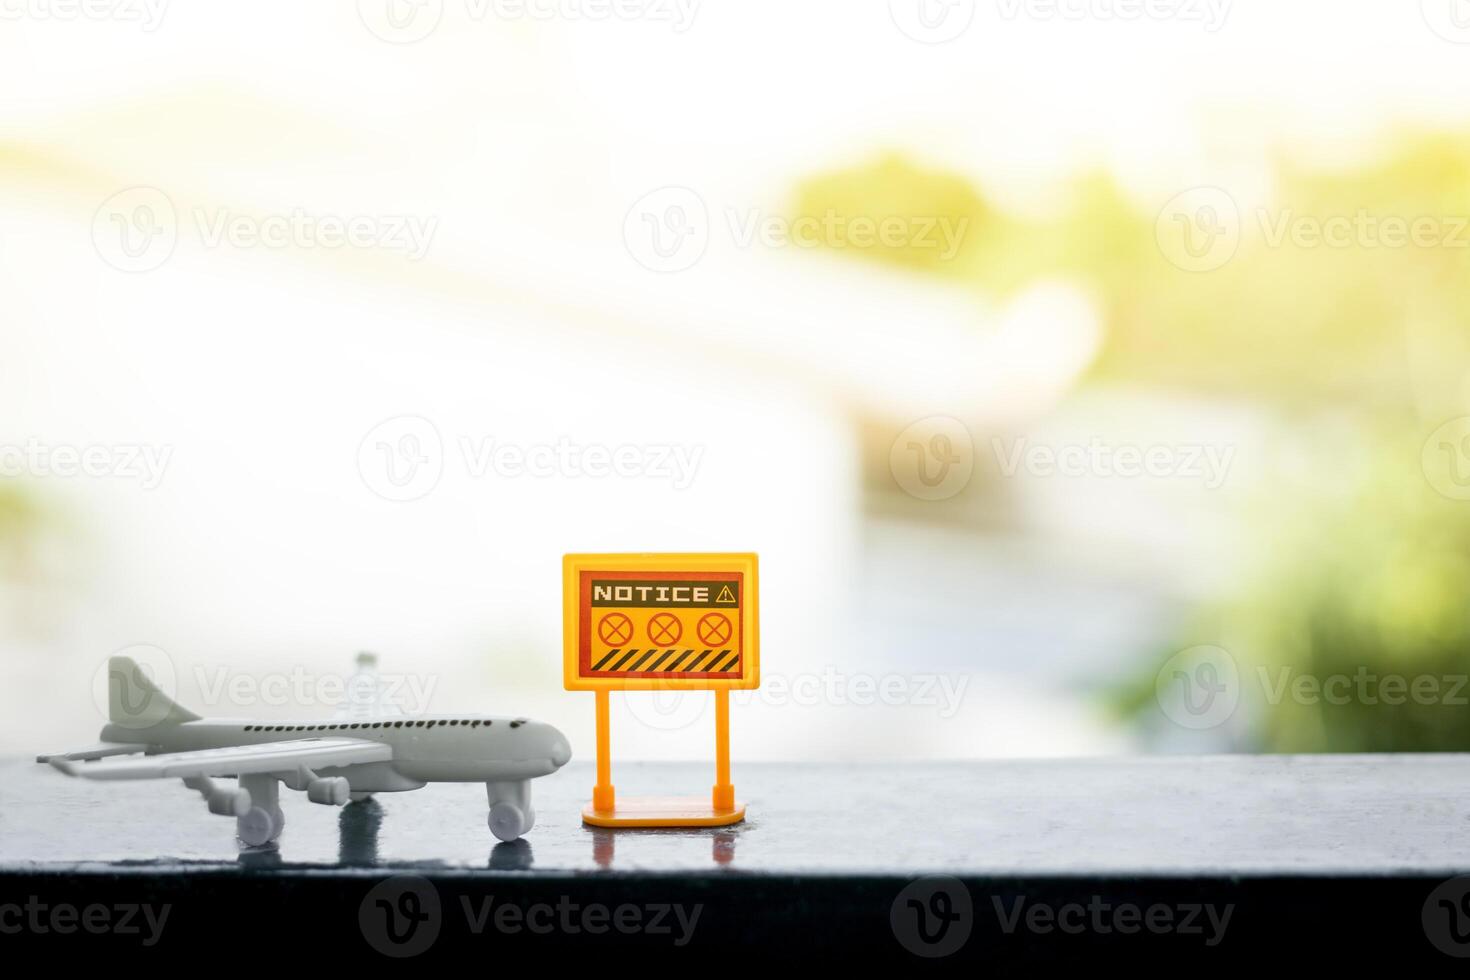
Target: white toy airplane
[149,736]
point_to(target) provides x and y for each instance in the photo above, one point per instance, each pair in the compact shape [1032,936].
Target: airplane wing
[99,751]
[314,753]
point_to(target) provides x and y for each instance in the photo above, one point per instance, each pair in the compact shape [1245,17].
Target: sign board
[660,622]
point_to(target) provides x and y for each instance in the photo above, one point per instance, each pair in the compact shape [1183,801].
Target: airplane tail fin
[134,701]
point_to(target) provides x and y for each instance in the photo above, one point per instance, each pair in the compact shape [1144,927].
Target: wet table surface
[1159,816]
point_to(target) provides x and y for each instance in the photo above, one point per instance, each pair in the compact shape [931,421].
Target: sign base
[663,811]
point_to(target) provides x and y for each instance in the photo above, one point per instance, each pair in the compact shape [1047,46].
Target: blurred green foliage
[20,516]
[1369,605]
[1362,569]
[1352,632]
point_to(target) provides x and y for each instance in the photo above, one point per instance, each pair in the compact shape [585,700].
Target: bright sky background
[528,141]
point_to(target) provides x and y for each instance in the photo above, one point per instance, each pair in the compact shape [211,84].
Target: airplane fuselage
[427,748]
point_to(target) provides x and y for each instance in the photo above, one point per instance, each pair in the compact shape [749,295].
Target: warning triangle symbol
[725,595]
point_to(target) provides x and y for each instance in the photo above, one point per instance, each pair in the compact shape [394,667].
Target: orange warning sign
[651,622]
[644,622]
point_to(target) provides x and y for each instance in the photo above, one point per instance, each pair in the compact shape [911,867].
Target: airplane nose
[549,741]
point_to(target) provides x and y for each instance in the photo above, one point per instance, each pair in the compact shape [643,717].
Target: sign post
[649,622]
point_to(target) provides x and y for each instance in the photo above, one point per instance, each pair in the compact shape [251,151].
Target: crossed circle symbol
[615,629]
[664,628]
[714,629]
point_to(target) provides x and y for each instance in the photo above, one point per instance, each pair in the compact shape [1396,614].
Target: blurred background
[1091,377]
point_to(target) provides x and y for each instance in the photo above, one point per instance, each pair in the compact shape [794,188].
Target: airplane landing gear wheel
[259,826]
[508,822]
[264,821]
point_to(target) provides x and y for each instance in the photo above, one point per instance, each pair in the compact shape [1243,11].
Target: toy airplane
[149,736]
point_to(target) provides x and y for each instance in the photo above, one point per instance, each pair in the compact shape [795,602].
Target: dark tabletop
[1252,815]
[1338,843]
